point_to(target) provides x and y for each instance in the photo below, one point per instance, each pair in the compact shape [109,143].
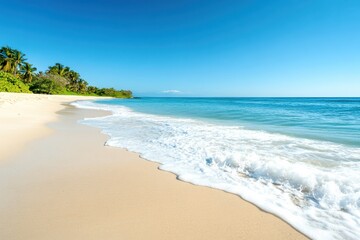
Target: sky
[227,48]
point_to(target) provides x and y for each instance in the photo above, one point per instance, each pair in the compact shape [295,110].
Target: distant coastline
[18,75]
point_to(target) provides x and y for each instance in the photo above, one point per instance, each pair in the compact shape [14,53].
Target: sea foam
[313,185]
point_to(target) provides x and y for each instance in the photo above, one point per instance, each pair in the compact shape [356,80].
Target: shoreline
[109,193]
[24,117]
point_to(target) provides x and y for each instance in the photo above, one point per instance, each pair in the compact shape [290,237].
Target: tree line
[17,75]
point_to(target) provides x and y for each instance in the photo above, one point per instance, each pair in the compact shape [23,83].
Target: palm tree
[59,69]
[11,59]
[73,78]
[82,85]
[28,71]
[92,89]
[6,60]
[18,60]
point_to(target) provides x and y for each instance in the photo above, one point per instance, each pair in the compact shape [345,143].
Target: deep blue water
[329,119]
[298,158]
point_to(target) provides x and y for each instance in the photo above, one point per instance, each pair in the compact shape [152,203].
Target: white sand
[23,118]
[67,185]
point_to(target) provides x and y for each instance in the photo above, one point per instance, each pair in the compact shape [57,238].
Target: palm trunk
[15,68]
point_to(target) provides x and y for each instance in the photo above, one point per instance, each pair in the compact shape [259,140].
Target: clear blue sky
[199,48]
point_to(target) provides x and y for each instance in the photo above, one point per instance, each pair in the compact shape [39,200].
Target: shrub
[9,83]
[47,85]
[111,92]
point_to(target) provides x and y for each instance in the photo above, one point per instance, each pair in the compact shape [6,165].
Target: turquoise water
[298,158]
[331,119]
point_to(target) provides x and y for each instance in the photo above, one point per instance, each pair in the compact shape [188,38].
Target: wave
[313,185]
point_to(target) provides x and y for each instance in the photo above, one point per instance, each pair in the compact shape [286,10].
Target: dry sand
[23,118]
[62,183]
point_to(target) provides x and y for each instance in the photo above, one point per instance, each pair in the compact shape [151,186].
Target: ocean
[298,158]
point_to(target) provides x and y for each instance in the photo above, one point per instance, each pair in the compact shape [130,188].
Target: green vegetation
[17,75]
[9,83]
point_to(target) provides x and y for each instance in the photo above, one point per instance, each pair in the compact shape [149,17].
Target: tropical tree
[6,60]
[92,90]
[59,69]
[28,71]
[18,60]
[58,79]
[73,78]
[82,86]
[11,60]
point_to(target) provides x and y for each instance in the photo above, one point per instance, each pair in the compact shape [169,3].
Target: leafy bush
[9,83]
[47,85]
[111,92]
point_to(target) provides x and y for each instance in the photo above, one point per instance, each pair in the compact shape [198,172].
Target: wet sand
[63,183]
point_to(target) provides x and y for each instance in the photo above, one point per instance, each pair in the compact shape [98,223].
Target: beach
[59,181]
